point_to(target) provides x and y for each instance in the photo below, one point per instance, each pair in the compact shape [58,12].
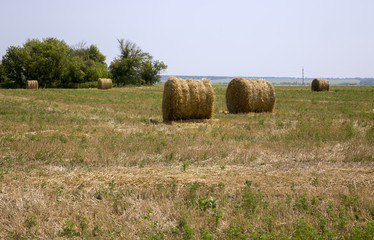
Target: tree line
[55,64]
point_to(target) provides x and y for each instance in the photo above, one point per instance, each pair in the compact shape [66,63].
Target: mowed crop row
[102,164]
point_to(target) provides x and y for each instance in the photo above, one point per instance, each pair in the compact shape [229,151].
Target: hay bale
[104,83]
[32,84]
[185,99]
[320,84]
[245,95]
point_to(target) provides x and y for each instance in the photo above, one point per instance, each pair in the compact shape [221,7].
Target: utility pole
[302,73]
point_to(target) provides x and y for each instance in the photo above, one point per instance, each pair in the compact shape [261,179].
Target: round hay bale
[185,99]
[32,84]
[319,84]
[244,95]
[104,83]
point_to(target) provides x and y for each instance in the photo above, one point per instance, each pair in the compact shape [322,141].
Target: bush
[92,84]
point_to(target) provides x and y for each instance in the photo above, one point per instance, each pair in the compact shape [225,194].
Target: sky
[260,38]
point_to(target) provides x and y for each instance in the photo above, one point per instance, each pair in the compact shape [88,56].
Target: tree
[3,76]
[53,63]
[134,66]
[14,67]
[85,65]
[44,61]
[47,61]
[150,70]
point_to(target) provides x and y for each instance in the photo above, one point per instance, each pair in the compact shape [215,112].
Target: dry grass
[102,165]
[245,95]
[185,99]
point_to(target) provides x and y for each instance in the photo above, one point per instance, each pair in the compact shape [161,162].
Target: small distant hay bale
[320,84]
[244,95]
[185,99]
[104,83]
[32,84]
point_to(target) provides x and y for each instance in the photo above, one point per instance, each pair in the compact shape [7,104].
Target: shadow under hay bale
[32,84]
[246,95]
[185,99]
[320,85]
[104,83]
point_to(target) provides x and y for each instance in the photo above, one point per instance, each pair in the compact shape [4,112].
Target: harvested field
[97,164]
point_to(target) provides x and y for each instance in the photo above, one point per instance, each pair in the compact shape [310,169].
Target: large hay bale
[32,84]
[319,84]
[185,99]
[245,95]
[104,83]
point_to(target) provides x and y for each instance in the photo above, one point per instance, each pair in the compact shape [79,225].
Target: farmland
[284,80]
[101,164]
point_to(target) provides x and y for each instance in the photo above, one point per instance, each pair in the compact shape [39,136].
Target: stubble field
[101,164]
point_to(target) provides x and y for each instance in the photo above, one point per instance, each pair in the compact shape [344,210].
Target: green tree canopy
[85,65]
[13,67]
[46,61]
[134,66]
[53,63]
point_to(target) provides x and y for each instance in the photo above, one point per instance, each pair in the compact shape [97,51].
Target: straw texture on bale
[320,84]
[31,84]
[185,99]
[245,95]
[104,83]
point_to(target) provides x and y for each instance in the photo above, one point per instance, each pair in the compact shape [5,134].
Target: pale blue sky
[330,38]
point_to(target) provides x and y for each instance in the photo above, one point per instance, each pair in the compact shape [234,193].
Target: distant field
[278,81]
[294,81]
[101,164]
